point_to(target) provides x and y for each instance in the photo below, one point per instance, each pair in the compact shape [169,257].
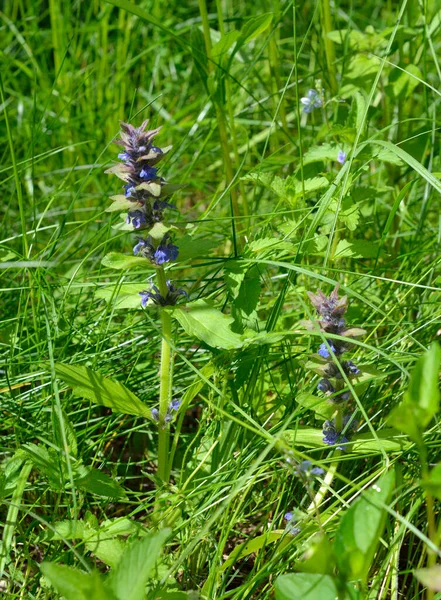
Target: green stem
[223,134]
[165,381]
[329,44]
[431,522]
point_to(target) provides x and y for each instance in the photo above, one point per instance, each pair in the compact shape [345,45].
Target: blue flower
[324,352]
[124,156]
[341,157]
[155,414]
[311,101]
[155,296]
[324,385]
[175,404]
[156,149]
[129,187]
[148,173]
[165,252]
[333,437]
[136,218]
[350,368]
[291,525]
[139,246]
[306,468]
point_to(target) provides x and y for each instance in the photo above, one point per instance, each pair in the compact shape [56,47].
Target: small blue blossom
[311,101]
[306,468]
[148,173]
[324,352]
[155,295]
[175,404]
[350,367]
[155,414]
[137,218]
[124,156]
[324,385]
[333,437]
[156,149]
[291,525]
[165,253]
[341,157]
[130,188]
[288,516]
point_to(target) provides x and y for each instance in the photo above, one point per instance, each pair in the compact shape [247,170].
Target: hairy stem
[165,381]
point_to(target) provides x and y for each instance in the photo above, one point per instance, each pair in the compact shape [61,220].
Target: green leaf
[412,162]
[309,586]
[319,557]
[76,585]
[433,482]
[117,260]
[122,296]
[430,578]
[356,249]
[324,153]
[421,400]
[121,203]
[322,408]
[199,53]
[129,579]
[86,383]
[360,529]
[253,545]
[99,483]
[407,81]
[224,44]
[109,550]
[192,247]
[252,28]
[201,320]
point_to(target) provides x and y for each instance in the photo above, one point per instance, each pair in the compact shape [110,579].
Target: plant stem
[327,27]
[223,134]
[165,380]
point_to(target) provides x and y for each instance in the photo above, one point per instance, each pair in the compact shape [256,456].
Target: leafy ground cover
[220,374]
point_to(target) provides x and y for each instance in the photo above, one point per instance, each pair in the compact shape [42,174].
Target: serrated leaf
[310,586]
[129,579]
[76,585]
[86,383]
[360,529]
[117,260]
[356,249]
[324,153]
[208,324]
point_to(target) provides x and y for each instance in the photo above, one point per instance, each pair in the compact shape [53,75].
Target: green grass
[264,200]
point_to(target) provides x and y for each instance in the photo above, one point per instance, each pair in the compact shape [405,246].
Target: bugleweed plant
[223,384]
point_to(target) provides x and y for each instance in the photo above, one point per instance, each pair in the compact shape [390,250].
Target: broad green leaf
[430,578]
[120,204]
[122,296]
[320,406]
[360,529]
[117,260]
[66,530]
[86,383]
[421,400]
[208,324]
[433,482]
[356,249]
[253,27]
[193,247]
[109,550]
[310,586]
[407,81]
[224,44]
[129,579]
[76,585]
[319,557]
[99,483]
[324,153]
